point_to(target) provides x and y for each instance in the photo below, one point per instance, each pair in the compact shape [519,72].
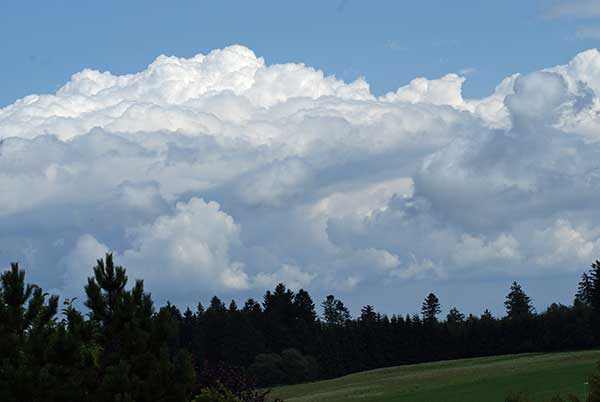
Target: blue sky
[388,42]
[226,174]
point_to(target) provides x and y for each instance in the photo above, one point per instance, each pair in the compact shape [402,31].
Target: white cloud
[190,248]
[290,275]
[187,250]
[221,172]
[79,262]
[415,270]
[467,71]
[568,245]
[471,250]
[444,91]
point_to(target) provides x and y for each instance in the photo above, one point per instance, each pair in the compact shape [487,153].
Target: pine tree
[253,308]
[455,316]
[27,321]
[594,287]
[216,305]
[305,308]
[279,315]
[334,311]
[305,322]
[518,304]
[431,308]
[135,361]
[487,315]
[215,327]
[368,314]
[584,290]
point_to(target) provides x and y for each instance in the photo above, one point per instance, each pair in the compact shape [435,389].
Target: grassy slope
[487,379]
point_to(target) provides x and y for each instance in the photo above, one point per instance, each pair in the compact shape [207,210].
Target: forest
[122,348]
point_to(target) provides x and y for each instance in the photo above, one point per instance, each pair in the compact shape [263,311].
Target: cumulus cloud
[186,250]
[291,275]
[224,173]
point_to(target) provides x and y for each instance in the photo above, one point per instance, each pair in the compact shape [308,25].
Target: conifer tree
[278,307]
[305,324]
[594,287]
[584,290]
[517,303]
[27,319]
[455,316]
[368,314]
[305,308]
[431,308]
[135,363]
[334,311]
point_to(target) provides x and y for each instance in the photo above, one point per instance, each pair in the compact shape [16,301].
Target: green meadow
[488,379]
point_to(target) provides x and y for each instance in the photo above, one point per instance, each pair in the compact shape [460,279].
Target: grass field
[488,379]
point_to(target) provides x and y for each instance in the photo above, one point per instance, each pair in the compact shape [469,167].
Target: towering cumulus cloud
[223,173]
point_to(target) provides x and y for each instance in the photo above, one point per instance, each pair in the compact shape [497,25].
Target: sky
[374,150]
[388,42]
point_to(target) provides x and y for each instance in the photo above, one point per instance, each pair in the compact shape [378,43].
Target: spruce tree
[455,316]
[334,311]
[368,314]
[279,314]
[305,322]
[305,308]
[431,308]
[517,303]
[594,287]
[584,290]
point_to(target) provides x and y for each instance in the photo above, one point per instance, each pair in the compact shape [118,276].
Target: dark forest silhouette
[124,349]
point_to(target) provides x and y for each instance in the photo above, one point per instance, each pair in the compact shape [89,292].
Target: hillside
[487,379]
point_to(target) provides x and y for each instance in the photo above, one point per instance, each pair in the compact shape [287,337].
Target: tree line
[284,340]
[123,349]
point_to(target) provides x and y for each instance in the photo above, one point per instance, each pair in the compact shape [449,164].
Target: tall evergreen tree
[305,324]
[305,308]
[26,321]
[279,309]
[334,311]
[368,314]
[455,316]
[584,290]
[431,308]
[135,363]
[518,304]
[594,287]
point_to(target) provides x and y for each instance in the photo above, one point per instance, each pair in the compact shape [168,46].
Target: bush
[216,394]
[230,382]
[267,369]
[298,368]
[290,367]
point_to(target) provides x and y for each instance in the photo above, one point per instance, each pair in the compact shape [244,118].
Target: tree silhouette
[431,308]
[135,364]
[594,287]
[585,290]
[334,311]
[517,303]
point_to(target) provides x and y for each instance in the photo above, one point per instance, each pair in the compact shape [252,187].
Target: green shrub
[215,394]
